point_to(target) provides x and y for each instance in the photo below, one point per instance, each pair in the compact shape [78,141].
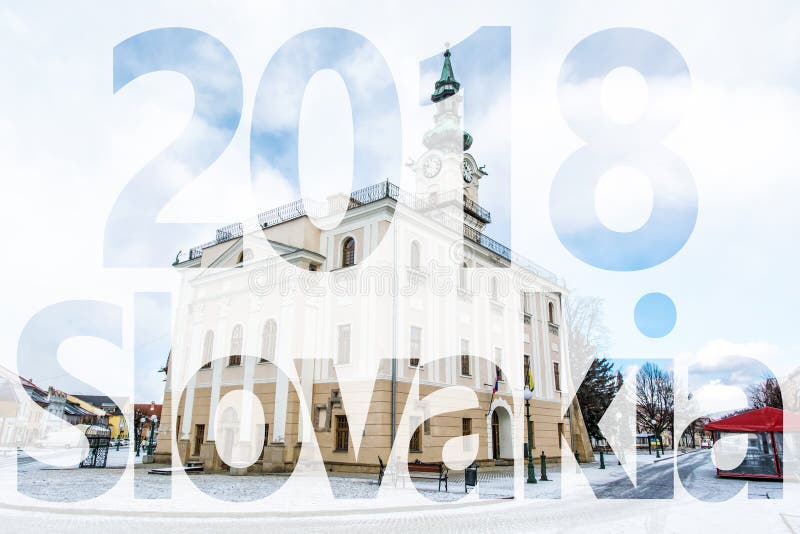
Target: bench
[190,467]
[429,471]
[169,470]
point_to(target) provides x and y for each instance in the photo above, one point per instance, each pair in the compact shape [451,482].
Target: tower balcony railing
[368,195]
[476,236]
[475,209]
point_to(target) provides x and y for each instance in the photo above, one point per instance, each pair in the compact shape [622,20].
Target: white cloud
[723,356]
[715,398]
[66,151]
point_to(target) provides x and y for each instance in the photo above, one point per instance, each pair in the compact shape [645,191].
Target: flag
[530,379]
[497,378]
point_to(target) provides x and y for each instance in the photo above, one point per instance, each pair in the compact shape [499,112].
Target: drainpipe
[394,328]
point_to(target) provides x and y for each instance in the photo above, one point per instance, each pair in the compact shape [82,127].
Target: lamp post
[139,435]
[658,439]
[153,426]
[528,395]
[136,432]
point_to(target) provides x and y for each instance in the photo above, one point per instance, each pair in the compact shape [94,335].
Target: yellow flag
[530,379]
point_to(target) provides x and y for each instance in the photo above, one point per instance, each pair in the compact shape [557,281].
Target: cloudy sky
[74,135]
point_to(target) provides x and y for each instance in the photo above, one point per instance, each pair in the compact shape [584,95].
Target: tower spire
[447,85]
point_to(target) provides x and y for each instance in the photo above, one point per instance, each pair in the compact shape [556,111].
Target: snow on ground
[344,502]
[71,484]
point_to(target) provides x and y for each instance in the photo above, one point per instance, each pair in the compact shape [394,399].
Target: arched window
[415,256]
[551,313]
[268,337]
[208,349]
[348,252]
[235,357]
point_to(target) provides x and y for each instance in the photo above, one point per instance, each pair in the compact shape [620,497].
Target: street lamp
[139,435]
[658,438]
[153,425]
[528,395]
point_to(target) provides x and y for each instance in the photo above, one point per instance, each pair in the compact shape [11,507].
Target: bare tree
[588,336]
[695,431]
[766,394]
[655,399]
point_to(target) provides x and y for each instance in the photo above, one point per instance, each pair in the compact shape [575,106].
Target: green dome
[467,140]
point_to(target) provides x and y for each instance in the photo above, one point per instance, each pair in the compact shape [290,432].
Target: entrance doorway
[495,436]
[499,428]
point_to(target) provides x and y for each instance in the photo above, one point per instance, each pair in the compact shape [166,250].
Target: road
[697,475]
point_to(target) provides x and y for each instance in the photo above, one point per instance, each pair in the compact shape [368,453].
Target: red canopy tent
[765,427]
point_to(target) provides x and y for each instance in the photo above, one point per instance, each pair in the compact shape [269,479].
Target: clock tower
[446,169]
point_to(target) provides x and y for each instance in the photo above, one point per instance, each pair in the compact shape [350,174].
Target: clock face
[431,167]
[468,170]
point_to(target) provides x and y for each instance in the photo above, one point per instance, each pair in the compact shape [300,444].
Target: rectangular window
[556,376]
[465,360]
[560,433]
[415,346]
[342,433]
[462,277]
[199,434]
[416,441]
[466,430]
[526,368]
[466,426]
[234,360]
[343,350]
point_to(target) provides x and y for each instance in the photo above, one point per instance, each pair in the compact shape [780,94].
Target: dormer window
[349,252]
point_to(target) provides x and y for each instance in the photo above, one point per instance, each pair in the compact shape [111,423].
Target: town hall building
[341,317]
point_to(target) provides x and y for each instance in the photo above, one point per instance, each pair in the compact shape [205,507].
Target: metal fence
[368,195]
